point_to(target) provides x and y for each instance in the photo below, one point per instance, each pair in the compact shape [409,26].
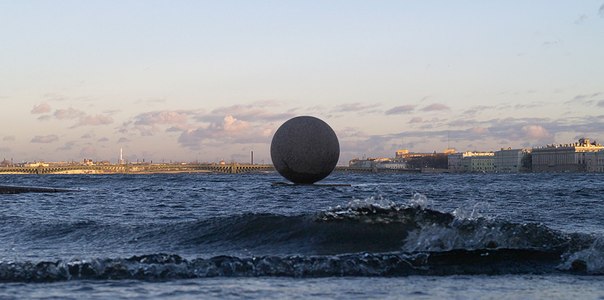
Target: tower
[121,161]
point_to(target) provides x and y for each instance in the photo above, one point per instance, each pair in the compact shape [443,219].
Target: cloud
[162,117]
[581,19]
[228,131]
[402,109]
[537,132]
[45,139]
[241,124]
[601,103]
[552,43]
[463,123]
[587,99]
[9,138]
[477,109]
[175,129]
[436,107]
[95,120]
[254,112]
[44,118]
[68,114]
[67,146]
[88,152]
[103,140]
[87,136]
[123,140]
[416,120]
[353,107]
[478,130]
[149,123]
[41,108]
[529,105]
[601,11]
[83,118]
[233,125]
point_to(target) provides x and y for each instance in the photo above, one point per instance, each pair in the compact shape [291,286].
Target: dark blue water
[239,236]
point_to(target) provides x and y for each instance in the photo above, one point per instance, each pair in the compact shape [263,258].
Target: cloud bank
[45,139]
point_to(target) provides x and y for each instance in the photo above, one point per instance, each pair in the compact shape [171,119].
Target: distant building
[471,162]
[564,158]
[36,165]
[594,161]
[434,160]
[5,163]
[509,160]
[368,163]
[391,165]
[400,154]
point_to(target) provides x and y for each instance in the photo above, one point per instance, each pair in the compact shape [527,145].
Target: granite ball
[305,150]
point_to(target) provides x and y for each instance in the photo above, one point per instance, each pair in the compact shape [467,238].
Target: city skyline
[210,81]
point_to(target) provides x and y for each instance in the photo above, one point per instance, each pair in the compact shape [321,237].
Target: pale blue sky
[211,80]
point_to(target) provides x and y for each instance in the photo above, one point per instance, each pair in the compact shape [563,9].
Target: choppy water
[238,236]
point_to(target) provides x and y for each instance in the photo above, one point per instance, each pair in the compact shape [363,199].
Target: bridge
[233,168]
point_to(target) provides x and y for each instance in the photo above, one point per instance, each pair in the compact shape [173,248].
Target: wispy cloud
[67,146]
[83,119]
[162,117]
[477,109]
[223,126]
[536,132]
[353,107]
[229,130]
[41,108]
[68,114]
[88,152]
[479,135]
[402,109]
[416,120]
[96,120]
[9,138]
[587,99]
[601,11]
[435,107]
[45,139]
[255,112]
[581,19]
[529,105]
[149,123]
[552,43]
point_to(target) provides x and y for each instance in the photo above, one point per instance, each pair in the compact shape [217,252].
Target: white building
[472,162]
[509,160]
[391,165]
[564,158]
[594,161]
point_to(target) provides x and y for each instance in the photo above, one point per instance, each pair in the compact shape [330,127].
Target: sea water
[425,236]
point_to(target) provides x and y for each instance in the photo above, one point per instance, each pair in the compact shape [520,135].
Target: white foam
[592,256]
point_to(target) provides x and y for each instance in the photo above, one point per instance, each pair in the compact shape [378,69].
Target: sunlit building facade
[594,161]
[509,160]
[471,162]
[564,158]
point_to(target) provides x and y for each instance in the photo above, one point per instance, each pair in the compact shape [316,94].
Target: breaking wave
[370,237]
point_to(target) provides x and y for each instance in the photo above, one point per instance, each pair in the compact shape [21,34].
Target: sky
[213,80]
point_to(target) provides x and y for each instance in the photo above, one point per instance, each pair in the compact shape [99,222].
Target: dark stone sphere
[305,150]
